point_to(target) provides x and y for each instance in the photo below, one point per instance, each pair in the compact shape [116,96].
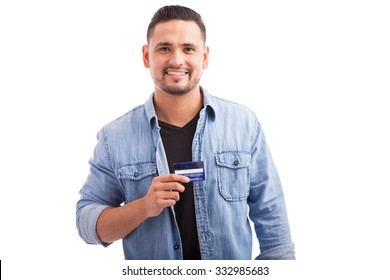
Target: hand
[163,192]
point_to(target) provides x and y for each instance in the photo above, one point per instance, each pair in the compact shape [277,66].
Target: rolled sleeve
[87,220]
[101,190]
[267,205]
[282,252]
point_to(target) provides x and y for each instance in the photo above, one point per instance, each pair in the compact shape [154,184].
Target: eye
[164,49]
[189,49]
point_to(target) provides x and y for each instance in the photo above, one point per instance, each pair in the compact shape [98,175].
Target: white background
[315,72]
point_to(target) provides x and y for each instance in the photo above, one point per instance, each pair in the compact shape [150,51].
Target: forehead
[176,31]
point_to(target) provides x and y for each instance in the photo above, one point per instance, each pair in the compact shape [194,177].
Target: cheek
[154,61]
[198,67]
[154,66]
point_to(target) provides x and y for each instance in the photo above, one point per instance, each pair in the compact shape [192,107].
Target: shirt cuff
[282,252]
[87,223]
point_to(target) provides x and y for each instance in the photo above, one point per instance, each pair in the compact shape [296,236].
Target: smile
[176,73]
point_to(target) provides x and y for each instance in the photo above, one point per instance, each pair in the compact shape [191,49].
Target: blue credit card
[193,170]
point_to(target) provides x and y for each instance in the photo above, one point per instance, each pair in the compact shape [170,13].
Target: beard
[177,90]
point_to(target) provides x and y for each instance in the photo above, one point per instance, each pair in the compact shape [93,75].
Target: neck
[177,110]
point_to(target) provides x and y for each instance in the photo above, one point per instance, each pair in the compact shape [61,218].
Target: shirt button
[236,162]
[135,174]
[176,247]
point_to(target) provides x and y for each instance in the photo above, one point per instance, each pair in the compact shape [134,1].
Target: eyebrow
[166,44]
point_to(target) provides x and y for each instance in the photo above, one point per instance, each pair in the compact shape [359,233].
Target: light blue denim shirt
[241,184]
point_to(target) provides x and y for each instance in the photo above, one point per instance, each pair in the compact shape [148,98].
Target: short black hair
[172,12]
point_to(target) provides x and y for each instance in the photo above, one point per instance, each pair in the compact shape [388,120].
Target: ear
[145,56]
[205,57]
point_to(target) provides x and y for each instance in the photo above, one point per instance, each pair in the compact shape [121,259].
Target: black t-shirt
[178,148]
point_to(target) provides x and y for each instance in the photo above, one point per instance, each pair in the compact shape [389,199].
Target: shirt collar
[208,103]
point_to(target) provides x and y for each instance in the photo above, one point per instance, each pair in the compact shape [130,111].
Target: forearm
[114,223]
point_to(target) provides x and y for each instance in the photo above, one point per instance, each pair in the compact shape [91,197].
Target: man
[132,192]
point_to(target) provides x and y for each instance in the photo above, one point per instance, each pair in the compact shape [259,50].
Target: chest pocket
[137,178]
[233,174]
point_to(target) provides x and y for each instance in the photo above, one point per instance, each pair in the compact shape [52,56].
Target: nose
[176,58]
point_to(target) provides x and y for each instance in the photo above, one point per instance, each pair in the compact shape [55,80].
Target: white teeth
[176,73]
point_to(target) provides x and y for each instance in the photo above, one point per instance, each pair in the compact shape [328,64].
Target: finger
[176,187]
[163,203]
[174,178]
[174,195]
[167,187]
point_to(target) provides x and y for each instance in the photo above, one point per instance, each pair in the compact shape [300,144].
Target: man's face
[176,56]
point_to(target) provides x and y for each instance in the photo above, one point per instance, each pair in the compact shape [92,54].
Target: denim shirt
[241,184]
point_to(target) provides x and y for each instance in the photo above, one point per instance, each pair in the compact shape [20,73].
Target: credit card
[193,170]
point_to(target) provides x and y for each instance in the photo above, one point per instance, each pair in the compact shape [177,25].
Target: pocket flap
[234,159]
[137,171]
